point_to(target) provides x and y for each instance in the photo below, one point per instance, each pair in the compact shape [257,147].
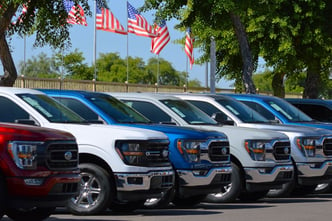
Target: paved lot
[310,208]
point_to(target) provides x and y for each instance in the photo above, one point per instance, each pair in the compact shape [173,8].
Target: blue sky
[108,42]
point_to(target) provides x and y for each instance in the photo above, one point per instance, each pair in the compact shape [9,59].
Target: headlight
[307,146]
[256,149]
[131,153]
[24,154]
[190,150]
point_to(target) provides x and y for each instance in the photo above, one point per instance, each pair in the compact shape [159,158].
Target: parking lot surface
[312,207]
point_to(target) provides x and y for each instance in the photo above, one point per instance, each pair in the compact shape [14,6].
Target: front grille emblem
[68,155]
[224,151]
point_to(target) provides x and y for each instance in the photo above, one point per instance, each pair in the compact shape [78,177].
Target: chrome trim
[190,179]
[123,185]
[260,177]
[306,169]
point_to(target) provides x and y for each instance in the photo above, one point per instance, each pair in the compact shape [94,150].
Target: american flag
[75,13]
[158,43]
[138,25]
[106,21]
[189,48]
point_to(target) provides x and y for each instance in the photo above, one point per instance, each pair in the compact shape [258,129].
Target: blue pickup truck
[200,158]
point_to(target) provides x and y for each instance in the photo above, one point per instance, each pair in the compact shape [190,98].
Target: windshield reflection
[288,111]
[189,113]
[117,110]
[52,110]
[242,111]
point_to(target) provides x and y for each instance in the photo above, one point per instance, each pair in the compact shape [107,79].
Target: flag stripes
[138,25]
[106,21]
[189,47]
[158,43]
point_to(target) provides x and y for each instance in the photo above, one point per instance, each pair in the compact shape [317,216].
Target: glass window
[52,110]
[149,110]
[11,112]
[79,108]
[117,110]
[188,112]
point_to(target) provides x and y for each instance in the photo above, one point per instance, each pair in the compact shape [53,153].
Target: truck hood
[96,133]
[182,131]
[294,129]
[246,133]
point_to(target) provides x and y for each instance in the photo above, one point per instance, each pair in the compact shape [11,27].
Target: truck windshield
[288,111]
[242,111]
[52,110]
[117,110]
[188,112]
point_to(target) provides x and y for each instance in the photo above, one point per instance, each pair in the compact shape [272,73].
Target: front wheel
[36,213]
[95,193]
[163,202]
[323,188]
[230,192]
[285,190]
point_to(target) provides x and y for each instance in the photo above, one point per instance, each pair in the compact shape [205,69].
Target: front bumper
[54,191]
[200,182]
[314,173]
[133,187]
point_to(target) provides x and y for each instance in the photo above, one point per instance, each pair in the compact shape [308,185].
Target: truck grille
[62,156]
[282,150]
[219,151]
[327,147]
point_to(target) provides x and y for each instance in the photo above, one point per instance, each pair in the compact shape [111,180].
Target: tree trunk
[10,73]
[278,84]
[313,80]
[246,55]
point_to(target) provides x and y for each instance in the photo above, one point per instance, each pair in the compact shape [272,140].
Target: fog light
[262,170]
[33,181]
[135,180]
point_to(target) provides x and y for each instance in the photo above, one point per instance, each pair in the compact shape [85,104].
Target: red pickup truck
[38,171]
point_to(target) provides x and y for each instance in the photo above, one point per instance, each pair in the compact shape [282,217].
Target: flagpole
[94,41]
[158,71]
[127,81]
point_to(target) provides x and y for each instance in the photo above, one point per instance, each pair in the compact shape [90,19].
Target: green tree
[73,66]
[44,18]
[224,21]
[111,67]
[41,66]
[296,37]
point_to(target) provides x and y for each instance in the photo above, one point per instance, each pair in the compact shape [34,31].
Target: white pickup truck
[260,158]
[311,147]
[121,167]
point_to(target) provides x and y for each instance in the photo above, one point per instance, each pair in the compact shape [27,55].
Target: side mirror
[26,121]
[222,118]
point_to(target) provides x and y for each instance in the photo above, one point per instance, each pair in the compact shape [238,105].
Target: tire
[96,191]
[159,203]
[285,190]
[230,192]
[252,196]
[36,213]
[3,196]
[302,190]
[189,201]
[120,207]
[323,188]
